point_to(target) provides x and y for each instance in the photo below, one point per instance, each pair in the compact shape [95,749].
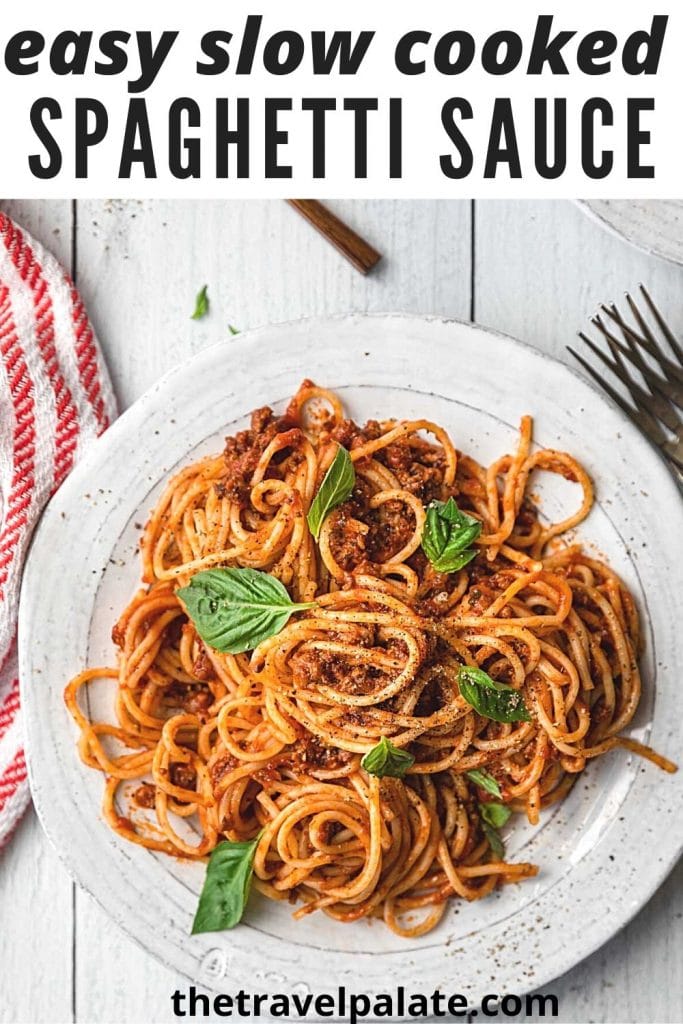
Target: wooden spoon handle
[356,250]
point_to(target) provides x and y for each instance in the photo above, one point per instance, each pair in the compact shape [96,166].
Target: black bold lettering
[151,58]
[461,106]
[39,110]
[319,108]
[85,136]
[137,127]
[637,137]
[591,168]
[20,51]
[69,53]
[502,147]
[219,58]
[293,45]
[360,107]
[545,50]
[554,166]
[594,50]
[191,166]
[325,55]
[653,41]
[513,48]
[113,47]
[403,55]
[444,61]
[226,137]
[275,137]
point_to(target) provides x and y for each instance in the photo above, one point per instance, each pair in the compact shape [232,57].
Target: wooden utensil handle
[356,250]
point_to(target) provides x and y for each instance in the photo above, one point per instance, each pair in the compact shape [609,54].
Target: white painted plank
[139,268]
[141,265]
[541,270]
[35,891]
[36,923]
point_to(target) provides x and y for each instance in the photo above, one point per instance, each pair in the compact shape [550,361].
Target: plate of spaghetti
[364,664]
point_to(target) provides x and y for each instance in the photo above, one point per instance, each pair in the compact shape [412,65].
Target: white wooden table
[533,269]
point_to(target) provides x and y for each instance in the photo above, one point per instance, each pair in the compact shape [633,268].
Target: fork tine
[658,402]
[670,392]
[663,326]
[614,348]
[636,342]
[646,402]
[639,395]
[646,423]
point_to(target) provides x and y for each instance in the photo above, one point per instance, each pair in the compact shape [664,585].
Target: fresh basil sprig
[447,536]
[493,817]
[226,887]
[201,307]
[234,610]
[490,698]
[385,759]
[485,781]
[337,486]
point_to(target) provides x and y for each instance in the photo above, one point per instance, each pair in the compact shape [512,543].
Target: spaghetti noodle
[269,743]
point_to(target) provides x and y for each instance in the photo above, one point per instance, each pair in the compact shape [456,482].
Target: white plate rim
[598,215]
[30,592]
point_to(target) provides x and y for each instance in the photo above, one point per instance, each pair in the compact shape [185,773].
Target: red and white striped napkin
[55,398]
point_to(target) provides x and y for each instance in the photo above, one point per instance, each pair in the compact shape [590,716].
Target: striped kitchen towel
[55,398]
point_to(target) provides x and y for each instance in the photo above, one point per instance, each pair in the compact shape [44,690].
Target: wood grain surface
[533,269]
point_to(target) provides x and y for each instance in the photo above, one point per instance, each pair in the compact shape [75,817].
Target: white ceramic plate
[602,853]
[654,225]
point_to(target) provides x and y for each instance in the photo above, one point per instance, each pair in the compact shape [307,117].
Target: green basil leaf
[490,698]
[485,781]
[494,840]
[234,610]
[496,815]
[226,887]
[447,536]
[201,307]
[387,760]
[233,330]
[337,486]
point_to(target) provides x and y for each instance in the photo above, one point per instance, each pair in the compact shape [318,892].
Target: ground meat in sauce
[310,754]
[436,694]
[184,776]
[198,702]
[221,767]
[202,667]
[243,451]
[391,527]
[347,540]
[174,630]
[348,675]
[329,829]
[345,432]
[418,469]
[193,698]
[527,517]
[434,600]
[144,795]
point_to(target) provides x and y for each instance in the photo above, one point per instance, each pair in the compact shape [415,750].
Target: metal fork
[656,391]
